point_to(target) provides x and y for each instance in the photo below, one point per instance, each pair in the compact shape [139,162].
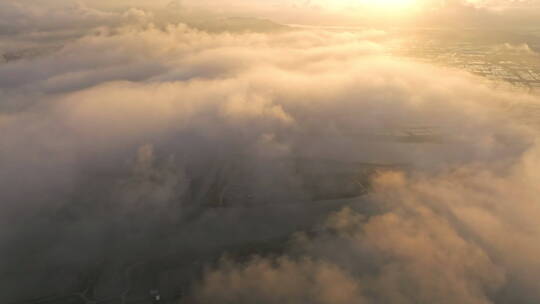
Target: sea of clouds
[105,127]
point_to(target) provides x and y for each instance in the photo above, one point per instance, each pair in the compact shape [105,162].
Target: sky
[472,13]
[115,108]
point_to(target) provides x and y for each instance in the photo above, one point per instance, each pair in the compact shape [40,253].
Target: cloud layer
[105,137]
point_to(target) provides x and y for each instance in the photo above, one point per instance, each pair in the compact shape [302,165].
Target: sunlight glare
[389,4]
[382,7]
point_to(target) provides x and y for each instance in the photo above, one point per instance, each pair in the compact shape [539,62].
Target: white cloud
[107,133]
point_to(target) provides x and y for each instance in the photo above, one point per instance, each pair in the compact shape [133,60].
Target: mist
[128,142]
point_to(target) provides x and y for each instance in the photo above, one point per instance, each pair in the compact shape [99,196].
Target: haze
[245,151]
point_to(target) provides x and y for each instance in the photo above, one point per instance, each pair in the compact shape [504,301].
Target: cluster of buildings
[501,64]
[515,67]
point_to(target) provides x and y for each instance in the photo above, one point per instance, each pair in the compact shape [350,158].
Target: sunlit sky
[433,12]
[498,13]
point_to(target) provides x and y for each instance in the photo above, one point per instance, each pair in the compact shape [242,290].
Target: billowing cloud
[137,141]
[454,237]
